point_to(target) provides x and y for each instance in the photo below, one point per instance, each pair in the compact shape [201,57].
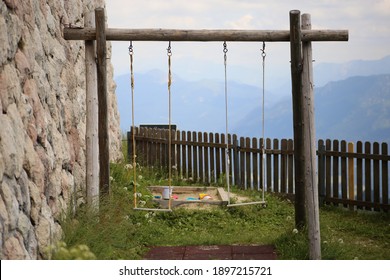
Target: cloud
[245,22]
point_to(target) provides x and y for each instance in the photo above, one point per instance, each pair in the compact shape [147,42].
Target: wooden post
[92,145]
[310,179]
[104,154]
[297,101]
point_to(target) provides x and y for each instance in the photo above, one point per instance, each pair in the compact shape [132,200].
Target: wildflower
[147,215]
[325,242]
[125,188]
[140,177]
[288,218]
[138,194]
[128,166]
[174,167]
[111,179]
[142,202]
[295,231]
[341,241]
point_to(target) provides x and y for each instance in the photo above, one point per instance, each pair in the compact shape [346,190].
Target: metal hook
[263,54]
[169,49]
[131,51]
[225,50]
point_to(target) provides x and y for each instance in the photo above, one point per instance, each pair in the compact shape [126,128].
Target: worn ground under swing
[213,252]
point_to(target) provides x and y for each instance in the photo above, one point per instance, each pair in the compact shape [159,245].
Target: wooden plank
[195,157]
[184,163]
[255,168]
[311,188]
[359,204]
[298,114]
[230,152]
[276,167]
[190,169]
[321,172]
[242,163]
[206,159]
[116,34]
[104,149]
[290,147]
[359,173]
[385,176]
[367,175]
[236,161]
[223,154]
[213,178]
[344,176]
[248,167]
[351,175]
[92,107]
[357,155]
[217,158]
[283,166]
[200,158]
[336,171]
[376,165]
[270,186]
[328,169]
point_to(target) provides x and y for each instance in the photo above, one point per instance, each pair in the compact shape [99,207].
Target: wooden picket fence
[354,177]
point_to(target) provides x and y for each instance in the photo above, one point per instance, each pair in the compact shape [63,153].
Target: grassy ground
[119,232]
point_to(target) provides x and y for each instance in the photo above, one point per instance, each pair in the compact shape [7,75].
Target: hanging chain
[227,159]
[169,54]
[263,55]
[131,54]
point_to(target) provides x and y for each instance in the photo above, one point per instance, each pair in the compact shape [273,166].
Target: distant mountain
[327,72]
[196,105]
[357,108]
[352,103]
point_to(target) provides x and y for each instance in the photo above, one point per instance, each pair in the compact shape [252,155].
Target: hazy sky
[368,22]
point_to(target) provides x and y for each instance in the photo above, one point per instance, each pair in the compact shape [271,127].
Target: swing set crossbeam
[216,35]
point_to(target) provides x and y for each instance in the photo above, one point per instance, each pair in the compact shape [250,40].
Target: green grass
[119,232]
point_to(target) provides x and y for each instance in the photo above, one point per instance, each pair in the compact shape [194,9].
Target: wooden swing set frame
[300,37]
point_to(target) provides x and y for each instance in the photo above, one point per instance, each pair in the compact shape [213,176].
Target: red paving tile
[213,252]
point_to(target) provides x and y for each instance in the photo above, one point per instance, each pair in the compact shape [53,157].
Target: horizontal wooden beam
[203,35]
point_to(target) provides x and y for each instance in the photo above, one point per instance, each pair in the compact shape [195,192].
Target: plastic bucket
[166,194]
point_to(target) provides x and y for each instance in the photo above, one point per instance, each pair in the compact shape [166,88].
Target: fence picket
[351,175]
[328,169]
[213,177]
[344,176]
[206,158]
[242,162]
[367,174]
[218,170]
[290,147]
[255,167]
[385,176]
[270,186]
[276,166]
[184,162]
[336,171]
[376,175]
[359,173]
[283,166]
[190,169]
[195,157]
[200,157]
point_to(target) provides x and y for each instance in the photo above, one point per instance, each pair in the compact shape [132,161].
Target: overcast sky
[368,22]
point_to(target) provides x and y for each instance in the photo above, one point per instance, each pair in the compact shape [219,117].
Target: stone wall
[42,122]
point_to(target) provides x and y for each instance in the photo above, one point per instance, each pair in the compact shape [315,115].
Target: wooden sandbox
[190,195]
